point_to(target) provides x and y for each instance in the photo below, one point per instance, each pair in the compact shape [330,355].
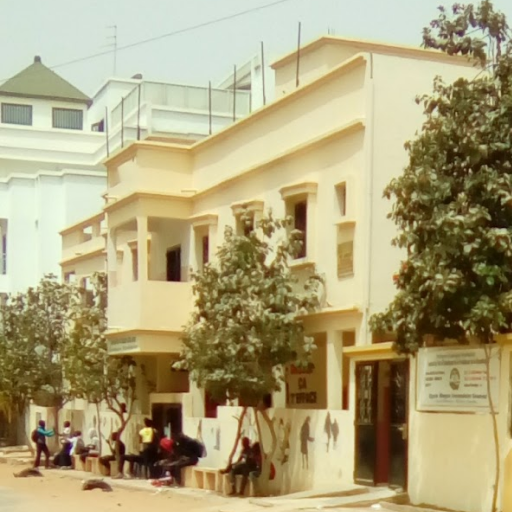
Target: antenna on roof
[297,80]
[113,44]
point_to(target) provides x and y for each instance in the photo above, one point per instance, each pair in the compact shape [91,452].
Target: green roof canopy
[38,81]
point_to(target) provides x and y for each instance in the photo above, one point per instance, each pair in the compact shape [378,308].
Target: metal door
[366,423]
[399,426]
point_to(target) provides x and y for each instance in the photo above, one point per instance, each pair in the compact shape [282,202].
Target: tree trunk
[488,354]
[98,415]
[238,436]
[264,479]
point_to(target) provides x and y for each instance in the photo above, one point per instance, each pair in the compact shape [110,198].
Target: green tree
[89,371]
[244,328]
[33,332]
[452,204]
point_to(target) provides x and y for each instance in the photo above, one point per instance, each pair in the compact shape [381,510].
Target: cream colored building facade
[323,152]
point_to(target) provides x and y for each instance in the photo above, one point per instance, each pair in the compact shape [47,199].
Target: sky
[61,31]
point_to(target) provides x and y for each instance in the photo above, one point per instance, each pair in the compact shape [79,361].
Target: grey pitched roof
[38,81]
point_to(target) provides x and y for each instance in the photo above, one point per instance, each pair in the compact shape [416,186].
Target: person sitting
[93,448]
[256,473]
[245,464]
[186,452]
[118,450]
[77,444]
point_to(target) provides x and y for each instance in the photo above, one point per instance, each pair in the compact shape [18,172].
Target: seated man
[118,450]
[246,464]
[256,473]
[186,452]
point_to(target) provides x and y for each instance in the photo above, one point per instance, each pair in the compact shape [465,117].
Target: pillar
[334,370]
[142,248]
[112,257]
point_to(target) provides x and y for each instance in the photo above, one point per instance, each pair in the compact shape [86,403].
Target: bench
[92,465]
[78,464]
[205,478]
[114,468]
[224,485]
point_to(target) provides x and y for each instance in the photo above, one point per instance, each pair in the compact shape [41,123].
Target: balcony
[149,306]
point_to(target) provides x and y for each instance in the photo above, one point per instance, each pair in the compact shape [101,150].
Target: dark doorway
[167,418]
[174,264]
[381,423]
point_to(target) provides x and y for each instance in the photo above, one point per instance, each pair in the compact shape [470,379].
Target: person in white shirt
[77,444]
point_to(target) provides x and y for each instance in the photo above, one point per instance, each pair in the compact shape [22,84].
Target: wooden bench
[78,464]
[114,468]
[224,485]
[206,478]
[92,465]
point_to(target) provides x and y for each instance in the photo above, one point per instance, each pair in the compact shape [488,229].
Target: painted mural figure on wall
[331,430]
[305,438]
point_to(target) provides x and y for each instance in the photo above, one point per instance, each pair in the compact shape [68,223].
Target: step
[326,492]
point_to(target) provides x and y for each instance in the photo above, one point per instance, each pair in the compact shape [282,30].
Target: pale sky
[63,30]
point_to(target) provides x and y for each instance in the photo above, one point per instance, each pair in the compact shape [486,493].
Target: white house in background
[255,77]
[53,140]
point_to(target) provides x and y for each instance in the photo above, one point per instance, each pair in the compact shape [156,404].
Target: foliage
[453,202]
[244,327]
[89,371]
[33,334]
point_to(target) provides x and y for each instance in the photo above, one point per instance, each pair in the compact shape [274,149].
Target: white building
[53,140]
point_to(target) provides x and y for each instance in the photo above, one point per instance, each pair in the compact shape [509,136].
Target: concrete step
[366,498]
[326,492]
[11,449]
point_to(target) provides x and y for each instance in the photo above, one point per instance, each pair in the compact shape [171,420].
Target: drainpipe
[370,145]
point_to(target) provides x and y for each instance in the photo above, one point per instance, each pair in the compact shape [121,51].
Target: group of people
[71,443]
[157,457]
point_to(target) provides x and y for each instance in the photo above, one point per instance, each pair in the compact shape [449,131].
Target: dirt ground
[57,492]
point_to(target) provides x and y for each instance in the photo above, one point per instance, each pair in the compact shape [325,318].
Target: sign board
[306,387]
[123,345]
[455,379]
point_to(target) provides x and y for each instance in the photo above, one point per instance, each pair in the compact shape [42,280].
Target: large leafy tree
[453,202]
[244,328]
[89,371]
[33,332]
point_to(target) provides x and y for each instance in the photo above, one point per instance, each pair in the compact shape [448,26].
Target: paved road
[9,502]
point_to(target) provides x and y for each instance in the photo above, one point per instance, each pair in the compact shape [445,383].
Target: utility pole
[113,44]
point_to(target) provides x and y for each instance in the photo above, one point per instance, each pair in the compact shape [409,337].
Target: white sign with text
[455,379]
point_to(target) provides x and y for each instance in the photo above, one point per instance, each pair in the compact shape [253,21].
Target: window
[341,194]
[174,264]
[98,127]
[345,251]
[211,405]
[68,119]
[17,114]
[245,224]
[206,249]
[300,222]
[135,264]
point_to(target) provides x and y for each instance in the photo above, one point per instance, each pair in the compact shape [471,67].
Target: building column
[112,257]
[142,248]
[334,370]
[311,226]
